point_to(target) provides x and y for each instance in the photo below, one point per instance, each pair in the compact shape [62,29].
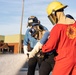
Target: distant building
[2,38]
[13,42]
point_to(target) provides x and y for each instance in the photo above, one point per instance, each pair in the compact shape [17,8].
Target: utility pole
[20,37]
[55,0]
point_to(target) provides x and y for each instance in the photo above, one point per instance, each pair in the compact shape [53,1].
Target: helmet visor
[30,21]
[52,18]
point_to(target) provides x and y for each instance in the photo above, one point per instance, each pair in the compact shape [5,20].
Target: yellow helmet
[54,6]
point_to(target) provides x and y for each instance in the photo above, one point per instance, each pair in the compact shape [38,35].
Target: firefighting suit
[63,39]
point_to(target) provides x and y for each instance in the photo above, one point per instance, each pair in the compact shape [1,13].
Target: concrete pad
[25,73]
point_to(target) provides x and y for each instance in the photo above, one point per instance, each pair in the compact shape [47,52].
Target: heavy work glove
[25,52]
[35,50]
[25,49]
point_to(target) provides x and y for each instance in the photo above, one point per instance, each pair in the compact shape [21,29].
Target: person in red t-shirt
[62,39]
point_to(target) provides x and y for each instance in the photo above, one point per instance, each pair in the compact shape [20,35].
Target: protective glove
[25,52]
[35,50]
[25,49]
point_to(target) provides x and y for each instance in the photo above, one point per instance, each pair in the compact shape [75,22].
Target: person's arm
[39,45]
[25,42]
[25,49]
[45,37]
[53,39]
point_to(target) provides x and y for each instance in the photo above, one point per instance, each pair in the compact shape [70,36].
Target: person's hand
[25,51]
[30,54]
[35,50]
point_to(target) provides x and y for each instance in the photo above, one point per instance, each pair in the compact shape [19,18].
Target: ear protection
[32,32]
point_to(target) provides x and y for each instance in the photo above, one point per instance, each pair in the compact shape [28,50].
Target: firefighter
[48,62]
[69,16]
[31,38]
[63,39]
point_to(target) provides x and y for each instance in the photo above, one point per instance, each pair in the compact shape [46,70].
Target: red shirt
[62,39]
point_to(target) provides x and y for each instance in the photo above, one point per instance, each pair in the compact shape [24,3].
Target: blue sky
[11,10]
